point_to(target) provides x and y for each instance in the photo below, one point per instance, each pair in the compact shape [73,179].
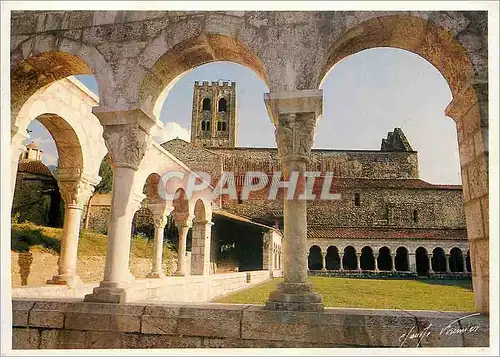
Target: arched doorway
[438,260]
[456,260]
[422,261]
[367,259]
[332,258]
[314,260]
[384,259]
[401,259]
[349,261]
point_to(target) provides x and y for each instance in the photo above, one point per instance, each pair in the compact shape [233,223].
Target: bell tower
[214,114]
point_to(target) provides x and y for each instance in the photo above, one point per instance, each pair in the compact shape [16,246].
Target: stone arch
[349,260]
[384,260]
[332,259]
[367,259]
[438,260]
[165,68]
[314,259]
[407,32]
[401,259]
[422,261]
[456,260]
[45,58]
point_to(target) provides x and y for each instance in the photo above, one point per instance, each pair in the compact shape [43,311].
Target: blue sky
[365,96]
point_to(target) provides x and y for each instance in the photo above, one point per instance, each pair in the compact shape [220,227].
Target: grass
[445,295]
[28,236]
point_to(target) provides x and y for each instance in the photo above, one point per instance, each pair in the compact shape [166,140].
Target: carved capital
[75,187]
[126,143]
[183,220]
[295,135]
[160,212]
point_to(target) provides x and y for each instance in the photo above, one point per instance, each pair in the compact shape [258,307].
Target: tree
[106,172]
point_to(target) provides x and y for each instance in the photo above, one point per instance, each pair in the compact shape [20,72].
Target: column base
[107,295]
[156,275]
[295,297]
[180,273]
[72,281]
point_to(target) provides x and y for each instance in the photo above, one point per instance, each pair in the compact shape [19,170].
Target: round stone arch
[459,53]
[44,58]
[77,135]
[164,62]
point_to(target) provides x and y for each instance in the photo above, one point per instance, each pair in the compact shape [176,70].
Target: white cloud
[171,131]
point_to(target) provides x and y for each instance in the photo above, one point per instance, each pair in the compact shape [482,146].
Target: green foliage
[408,294]
[106,172]
[27,236]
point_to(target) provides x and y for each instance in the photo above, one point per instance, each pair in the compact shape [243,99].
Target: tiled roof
[384,233]
[34,167]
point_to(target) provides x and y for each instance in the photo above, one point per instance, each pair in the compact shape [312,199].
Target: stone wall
[76,325]
[35,268]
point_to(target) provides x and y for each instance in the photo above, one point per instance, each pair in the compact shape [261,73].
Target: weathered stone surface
[62,339]
[221,321]
[25,338]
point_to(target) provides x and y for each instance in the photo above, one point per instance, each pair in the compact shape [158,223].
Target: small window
[207,104]
[224,126]
[239,198]
[219,126]
[203,125]
[415,216]
[207,126]
[222,107]
[357,201]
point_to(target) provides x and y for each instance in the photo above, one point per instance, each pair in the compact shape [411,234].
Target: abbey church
[387,220]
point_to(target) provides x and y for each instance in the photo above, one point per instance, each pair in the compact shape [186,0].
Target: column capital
[294,102]
[160,212]
[183,220]
[323,254]
[76,186]
[127,143]
[203,221]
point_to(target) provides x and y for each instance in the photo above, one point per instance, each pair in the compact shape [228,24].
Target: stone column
[183,223]
[76,189]
[160,212]
[412,264]
[464,256]
[469,109]
[376,262]
[294,114]
[358,261]
[341,256]
[323,256]
[127,144]
[429,256]
[200,247]
[393,262]
[307,260]
[447,259]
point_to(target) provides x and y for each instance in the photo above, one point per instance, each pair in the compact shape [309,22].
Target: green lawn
[444,295]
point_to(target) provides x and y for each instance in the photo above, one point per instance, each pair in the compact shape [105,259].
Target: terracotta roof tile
[34,167]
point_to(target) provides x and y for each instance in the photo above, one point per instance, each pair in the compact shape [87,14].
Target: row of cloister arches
[422,261]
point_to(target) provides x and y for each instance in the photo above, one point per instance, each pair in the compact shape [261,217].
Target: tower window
[207,104]
[357,201]
[203,125]
[415,216]
[222,107]
[207,126]
[219,126]
[224,126]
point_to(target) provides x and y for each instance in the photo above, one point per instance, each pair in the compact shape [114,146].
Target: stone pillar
[464,256]
[376,262]
[412,264]
[469,109]
[17,147]
[341,256]
[127,144]
[76,189]
[307,260]
[323,256]
[183,223]
[358,261]
[200,247]
[294,114]
[429,256]
[447,259]
[160,212]
[393,262]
